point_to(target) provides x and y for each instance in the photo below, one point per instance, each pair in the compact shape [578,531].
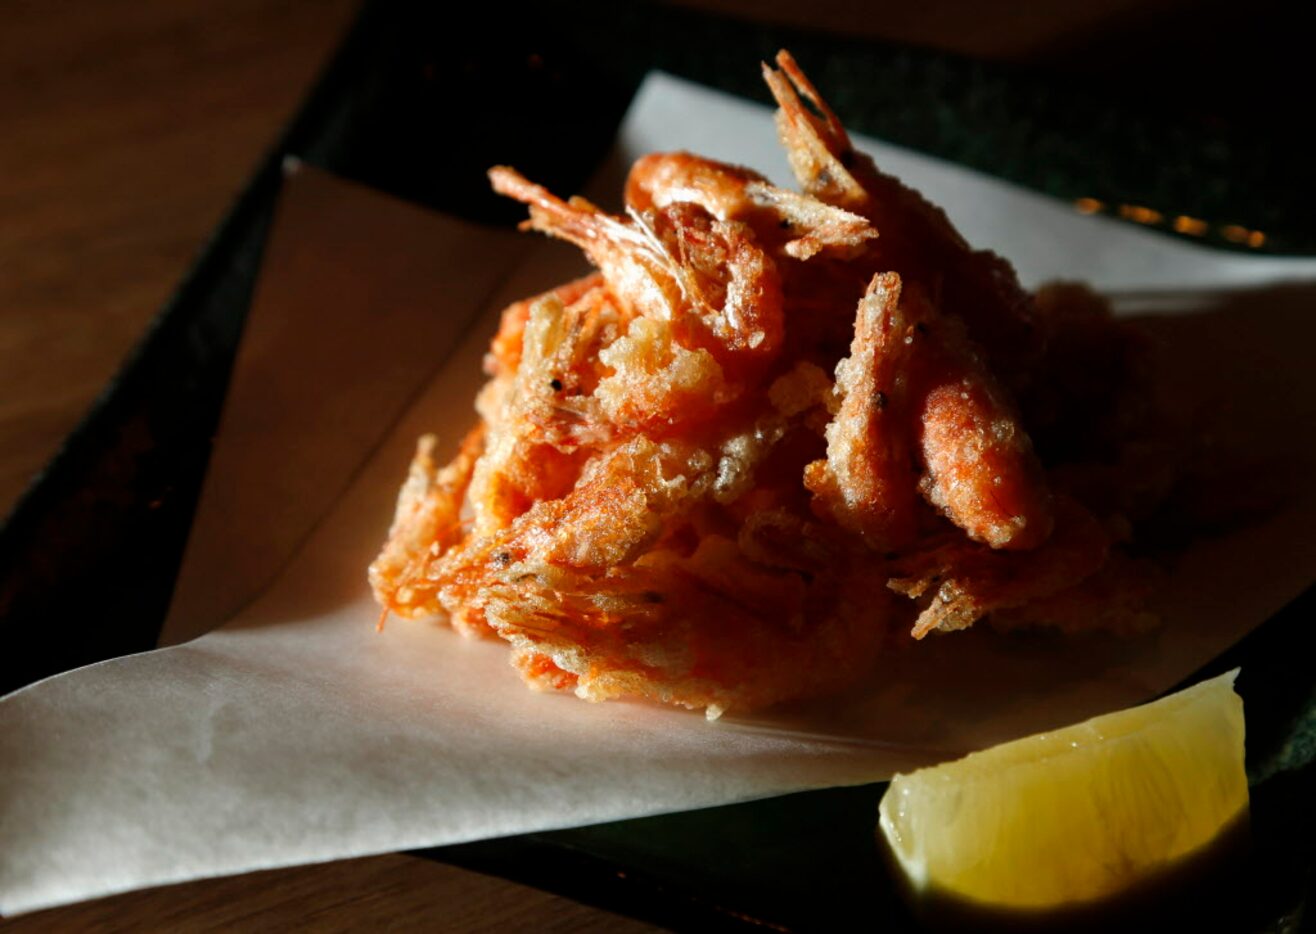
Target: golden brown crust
[771,434]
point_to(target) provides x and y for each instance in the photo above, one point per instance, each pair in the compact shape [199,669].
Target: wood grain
[379,893]
[129,128]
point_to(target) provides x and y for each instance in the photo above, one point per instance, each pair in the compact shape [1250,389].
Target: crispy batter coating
[426,524]
[773,432]
[867,481]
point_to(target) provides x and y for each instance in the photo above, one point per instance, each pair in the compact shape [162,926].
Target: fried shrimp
[708,278]
[774,434]
[918,239]
[917,400]
[979,467]
[802,225]
[867,482]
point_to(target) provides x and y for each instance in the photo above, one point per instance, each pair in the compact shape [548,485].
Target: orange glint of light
[1237,234]
[1140,215]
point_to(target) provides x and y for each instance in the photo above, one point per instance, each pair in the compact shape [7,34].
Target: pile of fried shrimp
[775,433]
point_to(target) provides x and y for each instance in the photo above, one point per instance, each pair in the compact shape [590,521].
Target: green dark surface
[1223,147]
[418,108]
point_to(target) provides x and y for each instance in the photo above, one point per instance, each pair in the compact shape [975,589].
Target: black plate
[417,106]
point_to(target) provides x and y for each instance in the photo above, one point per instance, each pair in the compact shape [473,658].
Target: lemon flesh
[1079,814]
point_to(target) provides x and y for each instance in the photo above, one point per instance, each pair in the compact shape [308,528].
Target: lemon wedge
[1077,815]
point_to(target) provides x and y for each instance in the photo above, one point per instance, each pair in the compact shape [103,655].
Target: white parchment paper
[297,734]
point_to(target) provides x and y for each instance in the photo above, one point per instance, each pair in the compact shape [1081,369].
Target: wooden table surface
[127,127]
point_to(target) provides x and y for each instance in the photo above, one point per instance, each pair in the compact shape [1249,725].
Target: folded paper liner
[294,733]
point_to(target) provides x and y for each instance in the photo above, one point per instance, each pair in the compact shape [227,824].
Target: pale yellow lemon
[1078,814]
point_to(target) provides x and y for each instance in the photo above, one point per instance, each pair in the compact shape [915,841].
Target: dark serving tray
[417,106]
